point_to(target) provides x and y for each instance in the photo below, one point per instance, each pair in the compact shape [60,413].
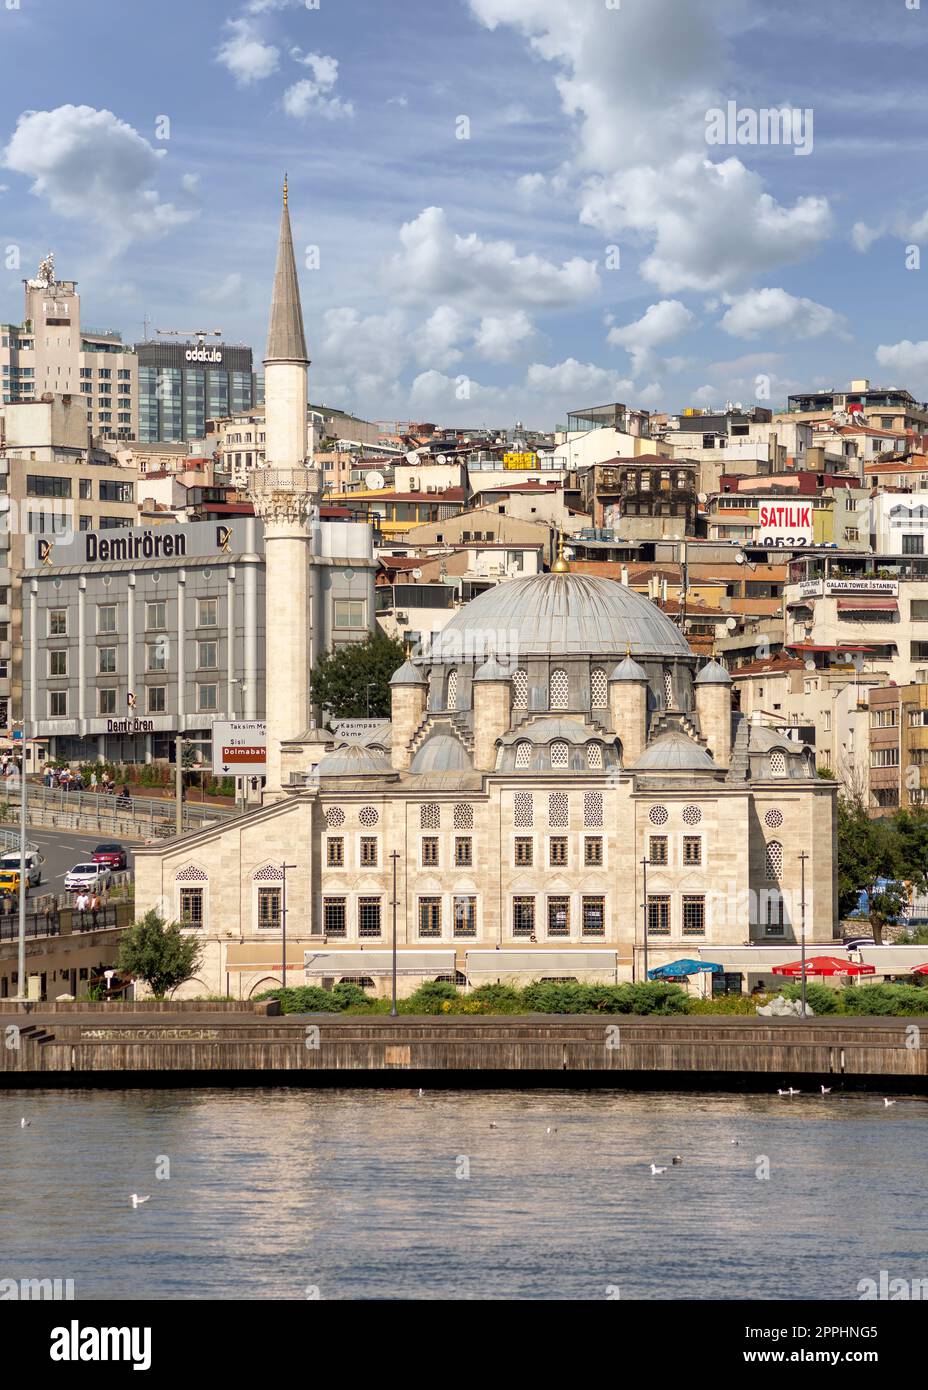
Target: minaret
[285,494]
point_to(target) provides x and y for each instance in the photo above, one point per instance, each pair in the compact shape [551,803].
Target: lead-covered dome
[564,615]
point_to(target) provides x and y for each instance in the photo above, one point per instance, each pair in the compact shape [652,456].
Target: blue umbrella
[677,969]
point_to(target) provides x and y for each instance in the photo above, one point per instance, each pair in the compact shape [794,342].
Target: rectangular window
[692,849]
[57,622]
[269,909]
[524,851]
[335,852]
[773,913]
[156,656]
[191,907]
[107,700]
[430,851]
[523,916]
[58,663]
[85,489]
[334,921]
[368,851]
[207,698]
[430,916]
[557,851]
[659,914]
[106,617]
[559,916]
[694,915]
[463,851]
[57,704]
[351,613]
[592,850]
[207,655]
[594,916]
[157,702]
[465,916]
[110,491]
[106,661]
[156,616]
[368,917]
[884,757]
[657,849]
[39,486]
[208,612]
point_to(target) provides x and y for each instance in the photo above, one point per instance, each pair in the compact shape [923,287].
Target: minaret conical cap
[286,340]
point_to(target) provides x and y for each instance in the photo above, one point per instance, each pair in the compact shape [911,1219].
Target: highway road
[62,849]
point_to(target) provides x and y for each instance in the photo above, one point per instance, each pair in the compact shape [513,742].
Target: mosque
[562,791]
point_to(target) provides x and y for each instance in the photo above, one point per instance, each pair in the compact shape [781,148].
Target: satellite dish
[374,481]
[741,558]
[702,496]
[442,458]
[731,624]
[417,574]
[810,665]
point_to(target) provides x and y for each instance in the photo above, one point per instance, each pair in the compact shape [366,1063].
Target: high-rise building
[50,351]
[182,385]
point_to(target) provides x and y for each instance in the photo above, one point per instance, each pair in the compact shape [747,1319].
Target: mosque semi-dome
[566,614]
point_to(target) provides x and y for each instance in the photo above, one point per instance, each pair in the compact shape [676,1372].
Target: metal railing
[135,817]
[55,921]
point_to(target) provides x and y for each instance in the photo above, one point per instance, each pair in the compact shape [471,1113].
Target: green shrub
[430,996]
[498,999]
[727,1004]
[885,1000]
[820,998]
[348,993]
[303,999]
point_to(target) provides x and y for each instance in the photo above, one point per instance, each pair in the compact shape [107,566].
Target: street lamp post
[283,924]
[802,908]
[644,876]
[179,785]
[394,857]
[21,954]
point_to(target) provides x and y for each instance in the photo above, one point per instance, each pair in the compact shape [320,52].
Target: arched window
[774,866]
[453,690]
[560,754]
[558,690]
[777,763]
[594,757]
[520,690]
[523,753]
[598,689]
[668,689]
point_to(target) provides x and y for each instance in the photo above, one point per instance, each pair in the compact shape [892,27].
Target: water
[275,1193]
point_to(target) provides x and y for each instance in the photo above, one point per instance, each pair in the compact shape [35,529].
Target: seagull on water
[421,1092]
[655,1170]
[791,1091]
[494,1125]
[552,1129]
[137,1200]
[888,1102]
[24,1123]
[677,1160]
[737,1143]
[826,1090]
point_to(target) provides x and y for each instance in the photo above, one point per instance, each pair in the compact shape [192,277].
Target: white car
[92,878]
[10,863]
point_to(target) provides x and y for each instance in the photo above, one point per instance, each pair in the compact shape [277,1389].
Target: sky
[503,209]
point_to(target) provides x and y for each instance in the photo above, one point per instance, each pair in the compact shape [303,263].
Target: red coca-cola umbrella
[824,965]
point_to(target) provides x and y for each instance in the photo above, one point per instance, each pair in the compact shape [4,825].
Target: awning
[868,605]
[556,962]
[365,962]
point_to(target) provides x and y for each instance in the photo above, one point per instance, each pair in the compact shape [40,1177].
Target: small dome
[629,670]
[407,674]
[492,670]
[674,752]
[441,754]
[354,760]
[713,673]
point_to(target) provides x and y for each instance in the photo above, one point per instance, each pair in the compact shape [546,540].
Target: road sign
[240,748]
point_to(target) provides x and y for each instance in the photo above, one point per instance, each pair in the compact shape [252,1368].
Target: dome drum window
[594,757]
[559,690]
[777,763]
[452,698]
[560,755]
[523,753]
[599,689]
[520,690]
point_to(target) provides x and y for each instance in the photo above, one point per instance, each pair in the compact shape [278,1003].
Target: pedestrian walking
[93,781]
[94,911]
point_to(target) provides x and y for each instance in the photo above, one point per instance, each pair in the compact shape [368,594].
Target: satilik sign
[784,523]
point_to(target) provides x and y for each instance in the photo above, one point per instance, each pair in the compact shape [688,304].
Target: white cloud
[775,311]
[436,341]
[436,262]
[905,357]
[460,396]
[501,337]
[863,237]
[712,224]
[91,166]
[228,290]
[578,380]
[246,55]
[364,354]
[305,97]
[530,185]
[660,323]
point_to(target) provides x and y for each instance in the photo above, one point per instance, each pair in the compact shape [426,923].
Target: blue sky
[584,243]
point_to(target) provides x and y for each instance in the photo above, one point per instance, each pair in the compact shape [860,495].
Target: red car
[112,855]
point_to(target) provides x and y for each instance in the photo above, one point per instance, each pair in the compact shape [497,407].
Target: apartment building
[898,747]
[883,407]
[795,511]
[51,351]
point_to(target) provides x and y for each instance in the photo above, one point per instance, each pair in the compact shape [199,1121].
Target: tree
[353,681]
[868,862]
[159,953]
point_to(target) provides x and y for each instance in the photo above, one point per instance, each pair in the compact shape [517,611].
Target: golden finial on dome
[560,565]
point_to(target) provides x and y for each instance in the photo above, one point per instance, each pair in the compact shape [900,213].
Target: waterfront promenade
[115,1045]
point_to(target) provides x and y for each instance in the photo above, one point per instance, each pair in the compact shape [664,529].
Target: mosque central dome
[563,615]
